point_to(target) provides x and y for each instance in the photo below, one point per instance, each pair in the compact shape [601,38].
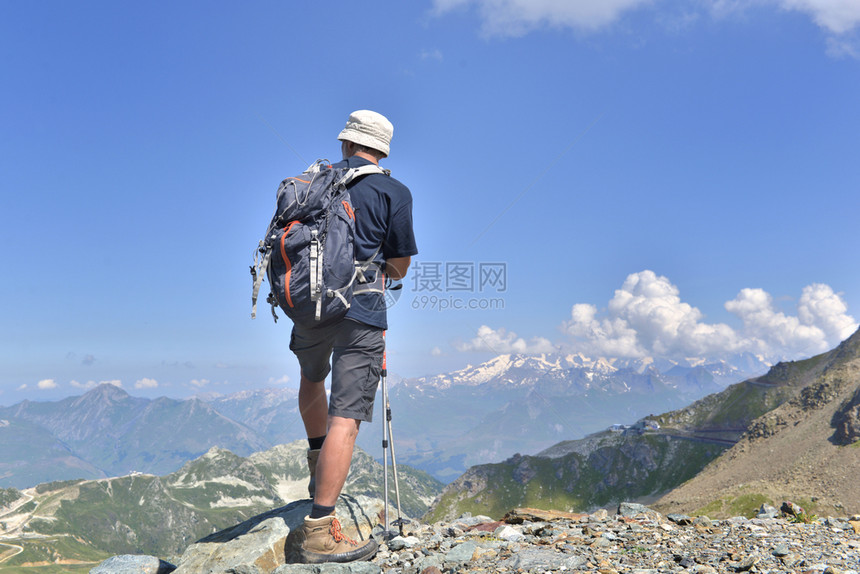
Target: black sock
[316,443]
[318,510]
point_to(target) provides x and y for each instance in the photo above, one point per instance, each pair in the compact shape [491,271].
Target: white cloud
[518,17]
[22,387]
[281,381]
[843,48]
[647,317]
[436,352]
[146,384]
[47,384]
[821,322]
[820,306]
[501,341]
[200,383]
[606,337]
[114,382]
[837,16]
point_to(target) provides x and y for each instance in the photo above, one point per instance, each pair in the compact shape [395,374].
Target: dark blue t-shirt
[383,230]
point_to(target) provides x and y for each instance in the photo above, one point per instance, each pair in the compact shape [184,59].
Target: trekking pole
[388,441]
[385,533]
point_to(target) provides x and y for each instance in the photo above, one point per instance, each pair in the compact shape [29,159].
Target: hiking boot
[313,457]
[322,541]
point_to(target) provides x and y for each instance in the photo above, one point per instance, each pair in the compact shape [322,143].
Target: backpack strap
[258,272]
[356,172]
[360,267]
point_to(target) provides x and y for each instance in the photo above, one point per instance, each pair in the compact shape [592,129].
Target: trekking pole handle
[384,356]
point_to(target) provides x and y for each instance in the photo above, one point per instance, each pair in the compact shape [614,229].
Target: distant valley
[442,424]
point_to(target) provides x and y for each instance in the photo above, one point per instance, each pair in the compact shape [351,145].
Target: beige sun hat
[368,128]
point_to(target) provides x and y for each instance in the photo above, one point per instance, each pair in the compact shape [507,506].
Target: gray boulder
[262,544]
[133,564]
[631,509]
[767,511]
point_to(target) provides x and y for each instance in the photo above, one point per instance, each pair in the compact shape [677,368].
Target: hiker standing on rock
[352,348]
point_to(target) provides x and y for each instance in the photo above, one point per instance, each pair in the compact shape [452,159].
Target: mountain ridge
[798,450]
[653,457]
[444,425]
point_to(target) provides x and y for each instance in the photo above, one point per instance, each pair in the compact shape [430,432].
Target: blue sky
[621,178]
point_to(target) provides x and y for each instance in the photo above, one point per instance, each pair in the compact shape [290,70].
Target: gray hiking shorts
[352,352]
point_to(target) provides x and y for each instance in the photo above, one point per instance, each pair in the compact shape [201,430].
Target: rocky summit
[634,539]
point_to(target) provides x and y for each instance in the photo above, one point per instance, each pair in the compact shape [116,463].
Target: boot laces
[338,534]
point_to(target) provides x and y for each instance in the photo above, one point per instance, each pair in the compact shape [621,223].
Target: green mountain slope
[161,516]
[643,462]
[806,449]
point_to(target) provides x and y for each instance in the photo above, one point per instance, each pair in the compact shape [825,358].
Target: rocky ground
[635,540]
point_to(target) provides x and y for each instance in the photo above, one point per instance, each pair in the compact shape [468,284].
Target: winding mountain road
[5,555]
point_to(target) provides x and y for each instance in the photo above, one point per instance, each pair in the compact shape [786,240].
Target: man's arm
[396,267]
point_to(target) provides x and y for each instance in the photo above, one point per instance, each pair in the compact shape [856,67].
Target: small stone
[631,509]
[780,550]
[431,570]
[520,515]
[600,516]
[747,564]
[485,553]
[535,559]
[601,542]
[680,519]
[767,511]
[428,563]
[461,554]
[469,520]
[508,533]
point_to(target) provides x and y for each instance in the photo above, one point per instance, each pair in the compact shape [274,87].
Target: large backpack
[308,252]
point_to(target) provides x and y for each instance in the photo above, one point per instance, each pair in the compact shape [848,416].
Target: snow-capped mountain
[512,403]
[522,403]
[526,370]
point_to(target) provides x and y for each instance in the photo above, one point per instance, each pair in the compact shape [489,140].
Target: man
[355,344]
